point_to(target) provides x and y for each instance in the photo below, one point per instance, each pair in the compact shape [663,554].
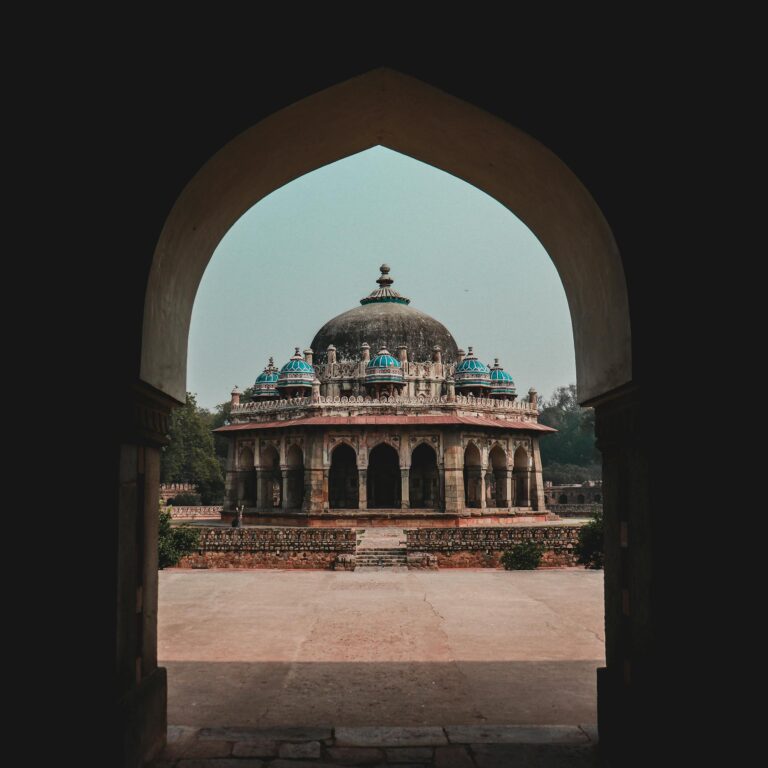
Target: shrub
[590,546]
[174,542]
[524,556]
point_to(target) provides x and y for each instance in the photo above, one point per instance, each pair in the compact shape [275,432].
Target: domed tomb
[384,317]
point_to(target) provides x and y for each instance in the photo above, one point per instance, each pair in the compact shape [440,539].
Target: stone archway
[522,477]
[293,481]
[497,465]
[383,491]
[343,486]
[474,493]
[396,111]
[270,479]
[424,478]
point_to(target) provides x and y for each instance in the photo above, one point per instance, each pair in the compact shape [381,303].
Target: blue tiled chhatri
[470,372]
[501,381]
[266,382]
[383,368]
[297,372]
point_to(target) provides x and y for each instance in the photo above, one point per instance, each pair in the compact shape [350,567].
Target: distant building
[589,492]
[354,426]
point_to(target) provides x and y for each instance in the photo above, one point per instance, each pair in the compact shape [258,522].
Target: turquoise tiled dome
[470,372]
[266,382]
[383,368]
[297,372]
[501,381]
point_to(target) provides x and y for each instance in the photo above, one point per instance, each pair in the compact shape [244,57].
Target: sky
[312,249]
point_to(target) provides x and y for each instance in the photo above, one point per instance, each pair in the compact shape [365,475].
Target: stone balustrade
[521,408]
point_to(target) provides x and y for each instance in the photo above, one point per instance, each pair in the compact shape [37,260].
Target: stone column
[262,481]
[313,474]
[508,488]
[284,501]
[306,496]
[142,416]
[326,470]
[525,501]
[405,487]
[362,488]
[645,628]
[453,471]
[538,499]
[482,489]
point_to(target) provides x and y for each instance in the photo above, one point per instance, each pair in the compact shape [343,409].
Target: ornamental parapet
[298,406]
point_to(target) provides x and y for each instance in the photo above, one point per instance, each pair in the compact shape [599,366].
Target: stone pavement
[475,746]
[277,648]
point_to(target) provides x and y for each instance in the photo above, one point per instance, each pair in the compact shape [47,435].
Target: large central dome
[384,319]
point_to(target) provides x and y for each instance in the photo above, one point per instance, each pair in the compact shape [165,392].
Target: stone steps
[381,549]
[381,558]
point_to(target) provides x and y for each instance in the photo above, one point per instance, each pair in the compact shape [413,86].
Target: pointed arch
[383,479]
[343,488]
[424,478]
[387,108]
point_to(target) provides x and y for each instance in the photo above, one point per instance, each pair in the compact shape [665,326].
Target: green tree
[573,445]
[190,456]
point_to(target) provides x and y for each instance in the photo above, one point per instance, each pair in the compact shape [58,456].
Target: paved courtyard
[386,647]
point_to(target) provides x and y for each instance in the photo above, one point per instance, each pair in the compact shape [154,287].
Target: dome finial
[384,279]
[384,292]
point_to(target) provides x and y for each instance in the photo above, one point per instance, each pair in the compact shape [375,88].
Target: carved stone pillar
[362,488]
[286,485]
[482,489]
[508,488]
[538,499]
[405,488]
[325,489]
[453,472]
[526,476]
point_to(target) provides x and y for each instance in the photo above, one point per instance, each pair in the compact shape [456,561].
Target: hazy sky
[312,249]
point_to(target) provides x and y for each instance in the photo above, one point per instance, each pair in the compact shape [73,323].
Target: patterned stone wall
[575,510]
[193,513]
[483,547]
[272,548]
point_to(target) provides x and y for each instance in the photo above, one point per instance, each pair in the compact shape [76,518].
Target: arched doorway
[424,478]
[270,480]
[473,477]
[343,487]
[522,478]
[381,107]
[383,477]
[293,483]
[500,488]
